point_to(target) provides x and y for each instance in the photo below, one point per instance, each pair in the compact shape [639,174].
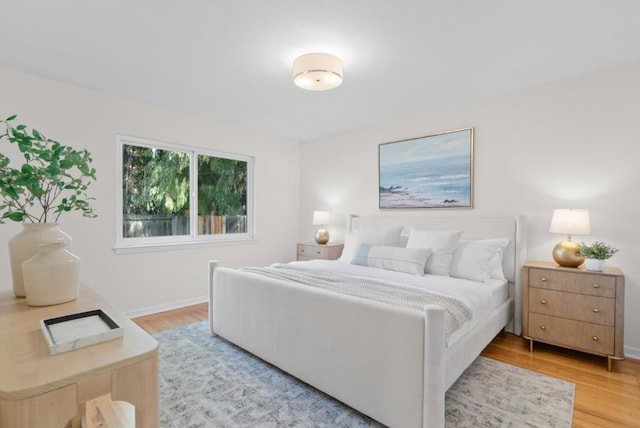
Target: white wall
[88,119]
[571,144]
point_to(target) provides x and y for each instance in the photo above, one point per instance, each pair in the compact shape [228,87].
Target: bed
[389,362]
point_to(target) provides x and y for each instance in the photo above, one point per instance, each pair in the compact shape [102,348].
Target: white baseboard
[631,352]
[166,307]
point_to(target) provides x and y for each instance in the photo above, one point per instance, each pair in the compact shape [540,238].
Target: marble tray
[78,330]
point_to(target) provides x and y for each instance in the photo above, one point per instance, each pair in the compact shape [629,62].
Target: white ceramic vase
[595,265]
[25,245]
[51,275]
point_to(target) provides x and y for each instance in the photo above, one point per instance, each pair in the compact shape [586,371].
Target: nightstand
[574,308]
[312,250]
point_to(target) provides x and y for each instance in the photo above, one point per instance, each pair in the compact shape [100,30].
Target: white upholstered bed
[391,363]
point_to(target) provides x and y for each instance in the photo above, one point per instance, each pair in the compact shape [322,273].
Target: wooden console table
[38,389]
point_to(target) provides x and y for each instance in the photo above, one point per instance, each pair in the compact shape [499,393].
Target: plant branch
[46,175]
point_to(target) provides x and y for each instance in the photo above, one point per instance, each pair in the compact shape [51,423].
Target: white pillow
[370,234]
[496,261]
[475,260]
[351,245]
[380,235]
[392,258]
[442,244]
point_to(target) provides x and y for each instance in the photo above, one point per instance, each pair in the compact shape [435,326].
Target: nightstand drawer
[579,307]
[579,335]
[573,282]
[312,251]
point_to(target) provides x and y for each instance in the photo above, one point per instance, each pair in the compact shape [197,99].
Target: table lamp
[321,218]
[571,222]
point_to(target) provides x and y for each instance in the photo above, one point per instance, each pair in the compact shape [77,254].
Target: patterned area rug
[208,382]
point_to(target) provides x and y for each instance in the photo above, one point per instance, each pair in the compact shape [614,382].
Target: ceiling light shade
[317,71]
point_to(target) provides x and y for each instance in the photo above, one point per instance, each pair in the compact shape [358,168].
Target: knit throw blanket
[457,312]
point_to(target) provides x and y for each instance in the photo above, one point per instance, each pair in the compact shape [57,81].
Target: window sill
[171,246]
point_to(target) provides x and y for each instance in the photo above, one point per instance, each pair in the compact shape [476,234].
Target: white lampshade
[321,217]
[570,221]
[317,71]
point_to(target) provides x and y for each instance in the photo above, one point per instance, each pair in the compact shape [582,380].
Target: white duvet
[481,297]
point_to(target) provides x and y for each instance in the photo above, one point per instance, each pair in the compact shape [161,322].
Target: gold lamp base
[565,253]
[322,236]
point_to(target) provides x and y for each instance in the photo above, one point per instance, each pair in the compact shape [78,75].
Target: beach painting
[435,171]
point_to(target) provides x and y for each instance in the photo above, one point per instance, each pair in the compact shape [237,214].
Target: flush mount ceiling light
[317,71]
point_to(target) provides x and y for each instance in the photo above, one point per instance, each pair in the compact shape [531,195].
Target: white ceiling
[231,59]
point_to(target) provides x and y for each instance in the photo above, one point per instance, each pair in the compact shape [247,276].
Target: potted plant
[596,255]
[52,179]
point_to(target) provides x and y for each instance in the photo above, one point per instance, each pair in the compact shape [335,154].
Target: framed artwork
[435,171]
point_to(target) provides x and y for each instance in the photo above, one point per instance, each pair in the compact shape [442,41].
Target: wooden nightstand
[311,250]
[574,308]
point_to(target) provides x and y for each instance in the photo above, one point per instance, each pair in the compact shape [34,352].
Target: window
[172,194]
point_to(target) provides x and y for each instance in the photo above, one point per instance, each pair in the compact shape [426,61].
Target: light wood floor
[603,399]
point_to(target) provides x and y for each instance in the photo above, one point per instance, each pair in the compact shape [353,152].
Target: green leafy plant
[53,178]
[597,250]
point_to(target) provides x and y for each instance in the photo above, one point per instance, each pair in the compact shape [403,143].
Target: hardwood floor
[156,323]
[603,399]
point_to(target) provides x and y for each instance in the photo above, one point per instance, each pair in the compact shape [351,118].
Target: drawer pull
[596,310]
[595,338]
[596,285]
[318,252]
[544,302]
[543,279]
[302,250]
[542,327]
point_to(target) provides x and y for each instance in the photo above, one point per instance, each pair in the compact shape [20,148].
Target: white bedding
[481,297]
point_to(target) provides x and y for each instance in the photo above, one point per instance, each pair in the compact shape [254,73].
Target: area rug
[208,382]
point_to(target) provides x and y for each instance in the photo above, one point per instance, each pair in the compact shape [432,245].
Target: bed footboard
[366,354]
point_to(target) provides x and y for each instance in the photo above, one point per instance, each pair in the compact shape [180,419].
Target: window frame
[193,239]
